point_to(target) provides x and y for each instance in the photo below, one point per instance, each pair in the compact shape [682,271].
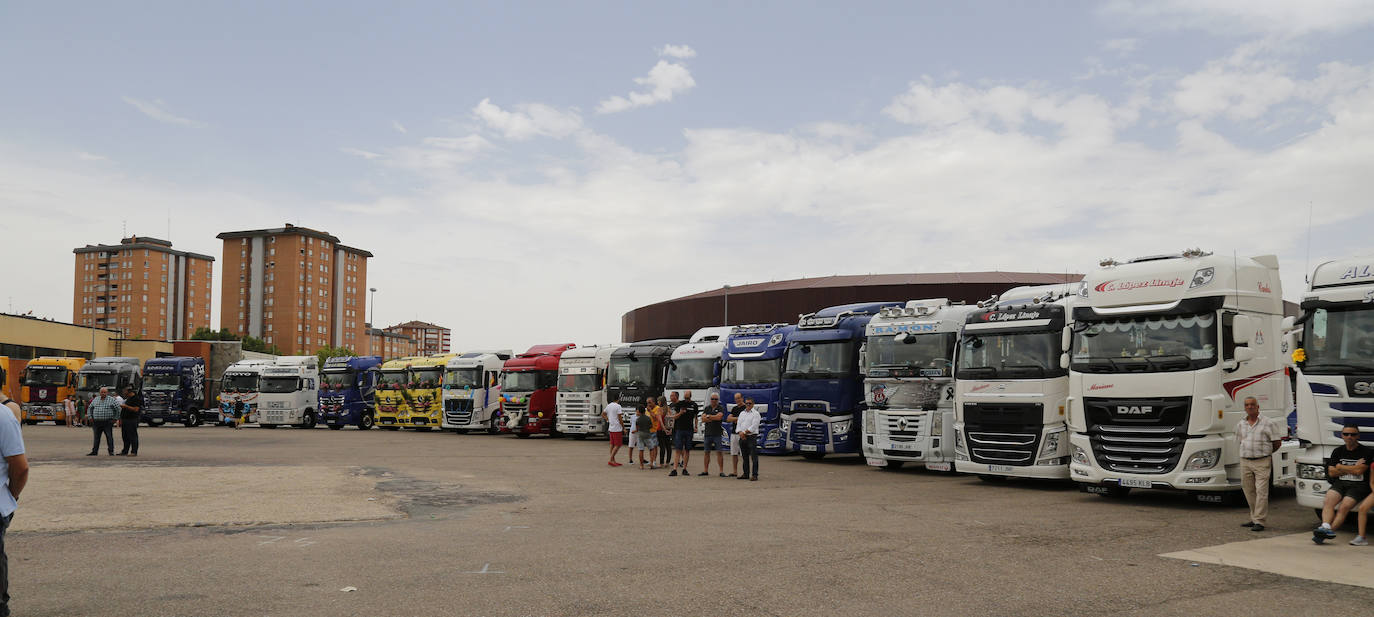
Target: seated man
[1347,469]
[1363,518]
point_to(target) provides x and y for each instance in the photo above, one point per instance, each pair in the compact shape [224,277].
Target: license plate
[1135,483]
[388,421]
[900,445]
[1000,468]
[939,466]
[808,448]
[876,462]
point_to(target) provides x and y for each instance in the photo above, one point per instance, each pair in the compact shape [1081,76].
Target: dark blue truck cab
[346,388]
[174,390]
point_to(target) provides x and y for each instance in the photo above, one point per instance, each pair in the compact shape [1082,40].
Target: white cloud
[400,128]
[677,51]
[154,110]
[1283,18]
[1121,46]
[359,152]
[664,81]
[87,156]
[529,120]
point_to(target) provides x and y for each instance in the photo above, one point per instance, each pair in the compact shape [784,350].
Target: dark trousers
[665,448]
[749,452]
[4,568]
[128,433]
[106,427]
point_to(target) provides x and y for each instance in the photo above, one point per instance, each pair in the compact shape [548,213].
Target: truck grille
[810,432]
[458,411]
[1138,435]
[901,425]
[515,408]
[156,401]
[275,417]
[1003,433]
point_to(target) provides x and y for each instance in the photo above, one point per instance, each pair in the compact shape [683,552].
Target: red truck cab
[529,390]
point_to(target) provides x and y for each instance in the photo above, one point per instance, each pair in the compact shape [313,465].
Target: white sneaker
[1359,541]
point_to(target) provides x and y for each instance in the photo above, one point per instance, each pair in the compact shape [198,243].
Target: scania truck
[241,383]
[175,390]
[582,390]
[424,391]
[638,371]
[1010,416]
[752,368]
[1165,350]
[695,368]
[113,372]
[289,392]
[529,390]
[472,391]
[909,384]
[46,383]
[393,411]
[347,384]
[1335,368]
[822,391]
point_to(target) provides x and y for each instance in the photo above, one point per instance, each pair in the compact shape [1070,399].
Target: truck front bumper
[1213,479]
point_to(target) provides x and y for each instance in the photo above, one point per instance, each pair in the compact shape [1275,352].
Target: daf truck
[46,383]
[1010,416]
[822,391]
[694,368]
[1165,350]
[638,371]
[1335,368]
[472,391]
[347,385]
[175,390]
[752,368]
[114,373]
[582,390]
[909,384]
[393,410]
[241,383]
[529,390]
[289,392]
[424,391]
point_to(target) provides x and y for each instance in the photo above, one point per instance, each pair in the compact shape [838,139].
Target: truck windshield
[161,382]
[1010,355]
[279,385]
[926,355]
[751,372]
[697,373]
[459,378]
[579,382]
[337,379]
[45,376]
[627,372]
[528,381]
[240,382]
[819,360]
[96,381]
[1147,344]
[391,379]
[425,377]
[1339,340]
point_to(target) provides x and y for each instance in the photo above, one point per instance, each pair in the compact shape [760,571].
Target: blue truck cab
[822,391]
[174,390]
[751,366]
[346,387]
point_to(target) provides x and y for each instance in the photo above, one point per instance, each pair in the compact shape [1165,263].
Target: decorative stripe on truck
[1232,387]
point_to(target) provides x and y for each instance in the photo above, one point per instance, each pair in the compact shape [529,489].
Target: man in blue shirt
[14,474]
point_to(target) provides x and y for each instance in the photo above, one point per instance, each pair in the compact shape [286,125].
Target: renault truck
[1010,416]
[582,390]
[1335,368]
[424,391]
[288,392]
[1165,350]
[529,390]
[694,368]
[472,391]
[909,384]
[175,390]
[638,371]
[752,368]
[114,373]
[46,383]
[347,384]
[239,387]
[393,410]
[822,391]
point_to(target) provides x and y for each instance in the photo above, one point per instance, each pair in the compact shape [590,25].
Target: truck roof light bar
[1108,262]
[1195,252]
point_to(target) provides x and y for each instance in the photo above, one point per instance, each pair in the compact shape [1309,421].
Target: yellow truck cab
[47,382]
[393,410]
[424,391]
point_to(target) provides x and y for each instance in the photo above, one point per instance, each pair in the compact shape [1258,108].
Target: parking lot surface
[212,521]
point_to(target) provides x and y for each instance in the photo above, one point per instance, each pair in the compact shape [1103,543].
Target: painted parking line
[1293,555]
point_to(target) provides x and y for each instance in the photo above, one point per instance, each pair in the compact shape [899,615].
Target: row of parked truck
[1131,378]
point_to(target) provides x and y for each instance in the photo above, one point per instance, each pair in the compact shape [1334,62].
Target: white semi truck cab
[241,383]
[1164,352]
[288,392]
[908,366]
[695,368]
[582,390]
[472,391]
[1335,367]
[1010,385]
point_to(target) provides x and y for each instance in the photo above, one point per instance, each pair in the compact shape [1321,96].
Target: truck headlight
[937,424]
[1205,459]
[958,441]
[871,422]
[1308,471]
[1079,456]
[1051,446]
[840,428]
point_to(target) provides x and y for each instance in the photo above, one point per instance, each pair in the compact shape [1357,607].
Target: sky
[527,172]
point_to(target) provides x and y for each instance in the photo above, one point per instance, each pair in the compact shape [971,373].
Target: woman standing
[665,452]
[69,410]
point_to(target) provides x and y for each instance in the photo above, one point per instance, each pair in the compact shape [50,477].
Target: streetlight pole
[727,305]
[373,301]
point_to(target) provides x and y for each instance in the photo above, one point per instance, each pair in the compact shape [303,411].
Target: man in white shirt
[1257,437]
[747,427]
[613,427]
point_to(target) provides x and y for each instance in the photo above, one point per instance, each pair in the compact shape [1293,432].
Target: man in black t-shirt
[713,436]
[1347,470]
[130,412]
[684,417]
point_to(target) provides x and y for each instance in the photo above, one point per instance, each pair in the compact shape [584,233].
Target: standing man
[1258,438]
[14,472]
[733,418]
[102,412]
[131,412]
[747,427]
[684,416]
[614,428]
[713,436]
[1347,469]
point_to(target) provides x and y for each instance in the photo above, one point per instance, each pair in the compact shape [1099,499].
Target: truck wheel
[309,420]
[193,418]
[492,427]
[813,456]
[366,422]
[30,422]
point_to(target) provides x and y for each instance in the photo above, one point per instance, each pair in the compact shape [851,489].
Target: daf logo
[1134,410]
[1362,387]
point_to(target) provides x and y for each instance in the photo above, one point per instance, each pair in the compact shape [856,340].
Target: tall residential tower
[142,288]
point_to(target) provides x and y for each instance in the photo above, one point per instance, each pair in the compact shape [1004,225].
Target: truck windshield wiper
[1336,367]
[1031,368]
[1170,361]
[991,370]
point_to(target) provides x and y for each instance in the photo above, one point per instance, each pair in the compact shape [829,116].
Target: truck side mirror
[1243,354]
[1240,329]
[1064,360]
[1066,340]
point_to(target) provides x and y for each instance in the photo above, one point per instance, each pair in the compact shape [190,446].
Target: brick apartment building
[142,288]
[293,287]
[389,345]
[431,339]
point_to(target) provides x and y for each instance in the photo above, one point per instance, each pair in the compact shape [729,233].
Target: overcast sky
[528,172]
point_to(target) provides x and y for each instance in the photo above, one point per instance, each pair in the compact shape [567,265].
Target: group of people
[107,411]
[663,423]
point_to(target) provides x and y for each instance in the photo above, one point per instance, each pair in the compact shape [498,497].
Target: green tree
[329,351]
[205,334]
[252,343]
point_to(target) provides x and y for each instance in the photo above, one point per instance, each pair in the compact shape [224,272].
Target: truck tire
[309,420]
[366,422]
[193,418]
[492,427]
[813,456]
[30,422]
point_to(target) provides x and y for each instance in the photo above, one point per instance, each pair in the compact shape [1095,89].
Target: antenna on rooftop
[1307,261]
[124,228]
